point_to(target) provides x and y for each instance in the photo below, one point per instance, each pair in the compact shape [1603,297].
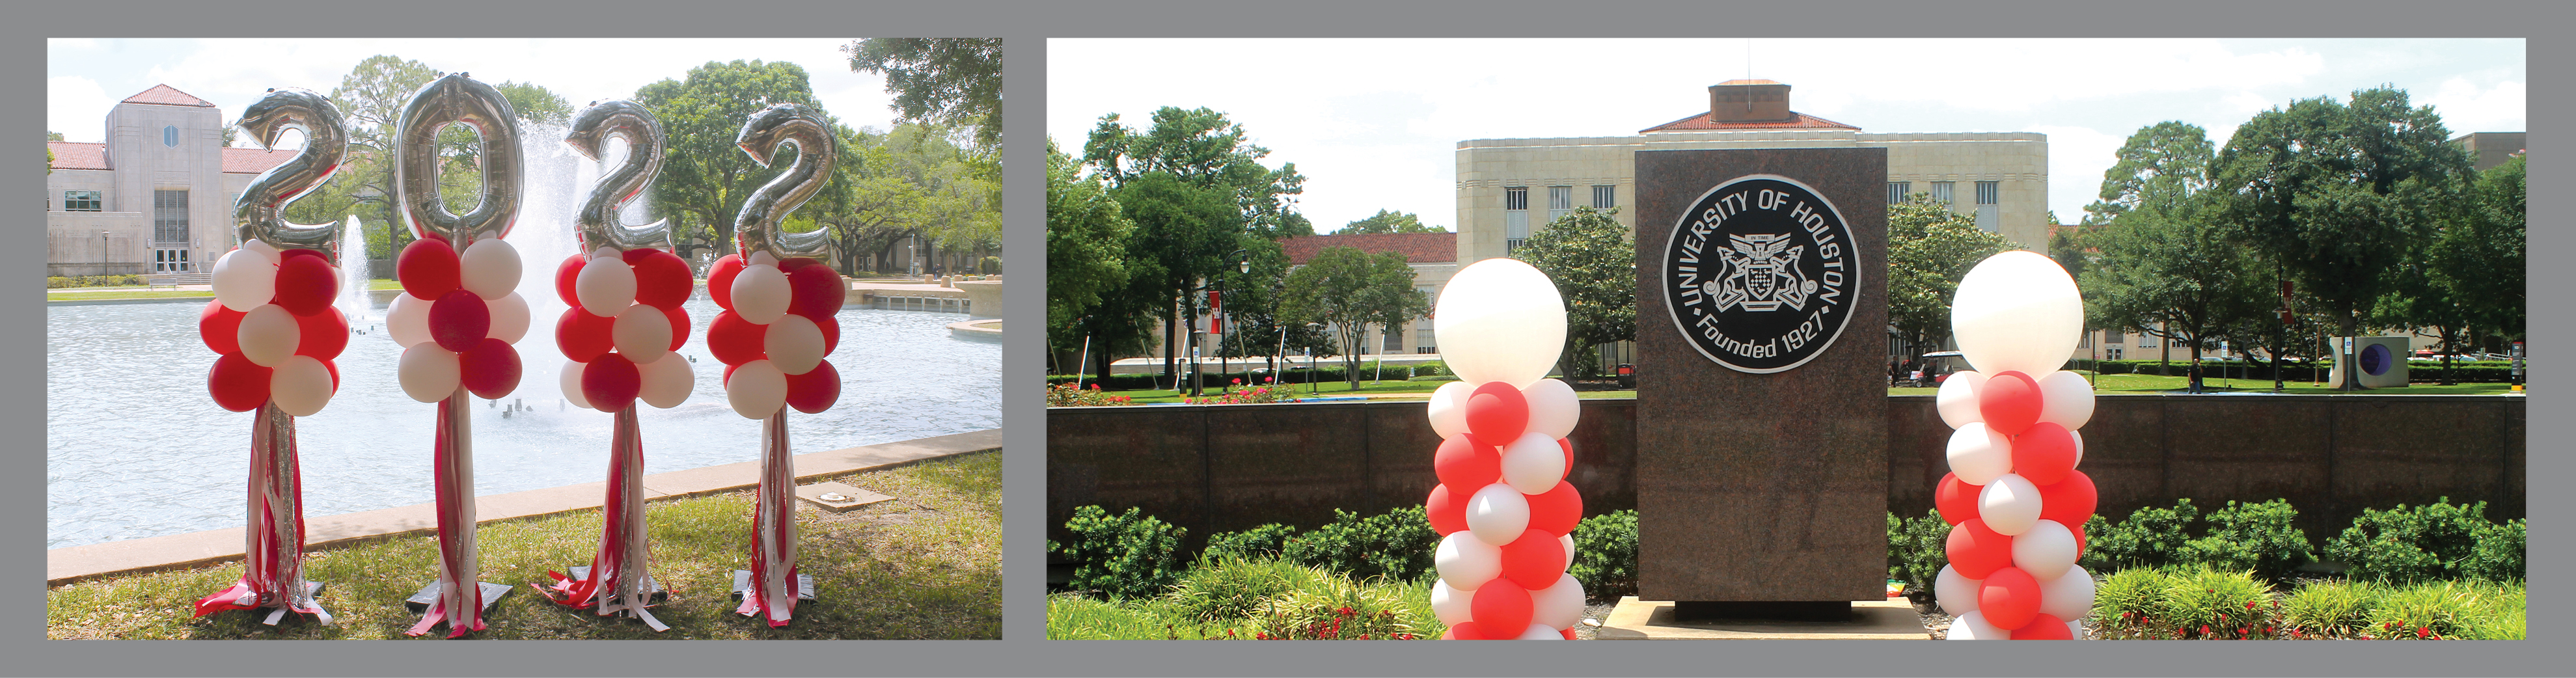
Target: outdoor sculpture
[625,289]
[273,324]
[2015,502]
[458,314]
[776,328]
[1504,511]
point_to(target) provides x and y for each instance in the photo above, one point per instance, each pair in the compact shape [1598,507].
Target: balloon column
[618,337]
[775,329]
[1504,510]
[458,315]
[2014,500]
[274,326]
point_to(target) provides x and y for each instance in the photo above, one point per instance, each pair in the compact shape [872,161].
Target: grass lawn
[926,565]
[2109,383]
[1382,390]
[87,293]
[1232,607]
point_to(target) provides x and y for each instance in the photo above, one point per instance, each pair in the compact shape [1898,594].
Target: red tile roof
[1700,121]
[78,155]
[163,95]
[253,160]
[1417,248]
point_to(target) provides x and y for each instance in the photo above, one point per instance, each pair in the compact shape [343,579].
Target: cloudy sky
[1375,123]
[84,77]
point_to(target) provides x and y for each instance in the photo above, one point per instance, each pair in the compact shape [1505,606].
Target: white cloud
[2465,107]
[2077,157]
[77,107]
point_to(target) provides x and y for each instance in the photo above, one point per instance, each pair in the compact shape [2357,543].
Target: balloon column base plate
[653,588]
[1886,619]
[804,585]
[837,497]
[428,595]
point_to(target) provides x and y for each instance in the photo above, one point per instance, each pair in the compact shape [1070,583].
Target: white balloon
[1465,562]
[1449,408]
[1451,606]
[757,389]
[569,377]
[2075,630]
[1956,593]
[1567,540]
[1553,407]
[1973,626]
[428,373]
[1558,606]
[2010,506]
[489,268]
[407,321]
[794,343]
[2079,446]
[2068,597]
[2046,551]
[668,381]
[641,333]
[761,295]
[1978,454]
[1498,320]
[1533,464]
[268,335]
[762,259]
[1497,514]
[604,286]
[243,281]
[1538,631]
[265,251]
[1958,398]
[2016,312]
[509,318]
[2065,399]
[301,386]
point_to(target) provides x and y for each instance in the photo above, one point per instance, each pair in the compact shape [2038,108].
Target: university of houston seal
[1761,274]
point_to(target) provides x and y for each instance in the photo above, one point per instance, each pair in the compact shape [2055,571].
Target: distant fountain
[355,276]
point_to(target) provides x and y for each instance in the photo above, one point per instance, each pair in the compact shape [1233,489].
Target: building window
[1422,342]
[1941,192]
[170,136]
[1515,217]
[1560,200]
[1605,197]
[81,201]
[1988,214]
[170,215]
[1897,190]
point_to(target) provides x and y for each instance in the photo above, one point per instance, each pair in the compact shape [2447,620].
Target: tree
[1389,221]
[1087,237]
[51,135]
[954,82]
[2481,254]
[370,99]
[1201,147]
[2159,163]
[1930,248]
[534,103]
[1347,290]
[705,179]
[2169,272]
[1593,261]
[1183,232]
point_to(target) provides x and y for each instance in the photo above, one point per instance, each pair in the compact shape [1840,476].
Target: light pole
[102,253]
[1242,266]
[1310,360]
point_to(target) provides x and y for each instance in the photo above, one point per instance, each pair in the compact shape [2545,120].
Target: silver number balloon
[457,98]
[756,227]
[597,220]
[259,214]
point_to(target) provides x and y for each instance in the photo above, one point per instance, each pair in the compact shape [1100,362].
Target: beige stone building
[156,197]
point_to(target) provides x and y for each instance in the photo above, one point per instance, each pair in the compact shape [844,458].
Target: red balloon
[1501,608]
[728,375]
[1956,499]
[237,383]
[1465,630]
[1556,511]
[1466,464]
[2009,402]
[1535,561]
[2043,453]
[735,341]
[831,328]
[565,274]
[720,279]
[611,382]
[324,334]
[2070,502]
[661,278]
[1567,445]
[1567,632]
[1497,413]
[490,369]
[818,290]
[816,390]
[1977,551]
[583,337]
[220,327]
[2080,540]
[1447,510]
[2009,597]
[428,269]
[293,252]
[459,320]
[2043,627]
[679,317]
[307,284]
[334,368]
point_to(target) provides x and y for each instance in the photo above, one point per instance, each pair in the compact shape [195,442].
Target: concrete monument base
[1883,619]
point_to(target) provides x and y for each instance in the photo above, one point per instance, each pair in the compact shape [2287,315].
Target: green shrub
[2209,603]
[1130,555]
[2126,601]
[2498,555]
[2261,537]
[2427,612]
[1917,548]
[59,282]
[2499,612]
[1266,541]
[2150,537]
[2404,544]
[1216,589]
[1331,607]
[1432,369]
[2331,609]
[1397,544]
[1605,554]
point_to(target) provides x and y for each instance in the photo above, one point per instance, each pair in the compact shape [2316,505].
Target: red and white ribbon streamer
[460,588]
[774,586]
[273,541]
[617,581]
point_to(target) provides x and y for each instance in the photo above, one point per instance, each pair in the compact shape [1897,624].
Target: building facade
[156,197]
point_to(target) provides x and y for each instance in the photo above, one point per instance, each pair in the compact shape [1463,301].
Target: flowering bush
[1243,396]
[1067,395]
[1335,608]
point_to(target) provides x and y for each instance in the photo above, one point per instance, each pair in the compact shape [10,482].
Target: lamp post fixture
[102,253]
[1310,360]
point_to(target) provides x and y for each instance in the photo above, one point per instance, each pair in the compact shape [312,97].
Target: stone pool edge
[168,552]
